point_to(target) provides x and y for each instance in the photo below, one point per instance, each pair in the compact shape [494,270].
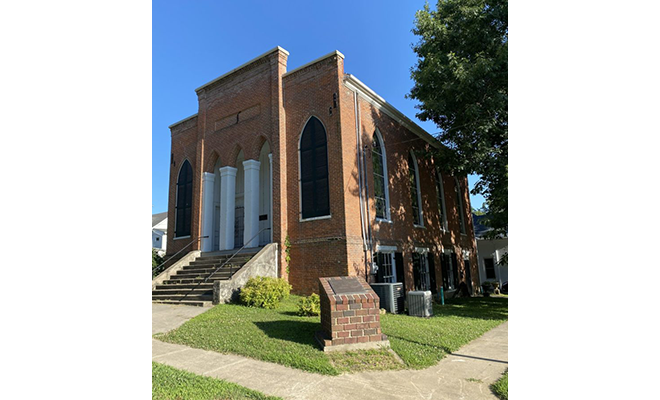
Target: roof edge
[332,53]
[182,121]
[355,84]
[273,50]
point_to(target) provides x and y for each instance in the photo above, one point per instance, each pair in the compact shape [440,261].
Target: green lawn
[169,383]
[281,336]
[422,342]
[501,387]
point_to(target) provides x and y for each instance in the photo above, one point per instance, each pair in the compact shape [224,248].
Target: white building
[489,254]
[159,231]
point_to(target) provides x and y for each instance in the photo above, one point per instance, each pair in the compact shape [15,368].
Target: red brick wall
[184,147]
[273,106]
[400,232]
[318,247]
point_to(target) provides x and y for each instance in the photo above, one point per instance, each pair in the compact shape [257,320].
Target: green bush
[156,260]
[309,306]
[264,292]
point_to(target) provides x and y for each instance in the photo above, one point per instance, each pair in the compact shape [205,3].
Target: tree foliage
[461,80]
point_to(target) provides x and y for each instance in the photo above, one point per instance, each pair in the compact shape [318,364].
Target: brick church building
[314,158]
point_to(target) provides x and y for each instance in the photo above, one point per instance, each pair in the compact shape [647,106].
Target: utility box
[420,303]
[391,296]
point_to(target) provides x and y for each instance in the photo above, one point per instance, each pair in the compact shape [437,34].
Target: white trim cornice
[353,83]
[385,249]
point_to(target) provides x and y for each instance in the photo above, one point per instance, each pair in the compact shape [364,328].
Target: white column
[251,203]
[270,195]
[208,180]
[227,207]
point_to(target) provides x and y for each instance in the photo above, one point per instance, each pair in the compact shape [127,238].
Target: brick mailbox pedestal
[350,315]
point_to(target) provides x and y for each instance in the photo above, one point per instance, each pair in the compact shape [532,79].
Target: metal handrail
[231,268]
[175,254]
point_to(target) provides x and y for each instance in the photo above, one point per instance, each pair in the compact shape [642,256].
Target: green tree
[461,79]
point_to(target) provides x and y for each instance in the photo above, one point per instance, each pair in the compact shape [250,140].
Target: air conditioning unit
[420,303]
[391,296]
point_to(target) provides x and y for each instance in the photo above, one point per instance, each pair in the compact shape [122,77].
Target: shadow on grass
[443,348]
[489,308]
[294,331]
[290,313]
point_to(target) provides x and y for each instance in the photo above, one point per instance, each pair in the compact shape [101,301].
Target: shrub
[264,292]
[309,306]
[156,260]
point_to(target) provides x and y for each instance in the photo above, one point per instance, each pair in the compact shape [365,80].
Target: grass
[169,383]
[422,342]
[283,337]
[501,387]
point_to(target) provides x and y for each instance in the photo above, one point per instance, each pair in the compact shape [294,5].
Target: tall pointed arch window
[183,207]
[314,189]
[415,195]
[440,190]
[381,190]
[459,201]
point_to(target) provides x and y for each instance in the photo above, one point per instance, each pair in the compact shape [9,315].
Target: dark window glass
[379,178]
[400,271]
[434,284]
[315,193]
[444,267]
[414,190]
[454,270]
[439,188]
[385,273]
[183,206]
[459,201]
[489,263]
[421,277]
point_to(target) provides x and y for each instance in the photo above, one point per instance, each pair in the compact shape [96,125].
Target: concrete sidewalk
[466,374]
[165,317]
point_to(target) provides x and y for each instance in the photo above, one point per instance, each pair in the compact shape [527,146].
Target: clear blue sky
[194,42]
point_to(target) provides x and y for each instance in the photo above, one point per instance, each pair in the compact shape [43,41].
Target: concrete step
[189,270]
[183,297]
[177,291]
[185,302]
[225,257]
[205,286]
[196,275]
[218,263]
[188,281]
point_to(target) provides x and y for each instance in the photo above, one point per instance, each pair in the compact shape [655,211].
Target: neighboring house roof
[158,218]
[479,228]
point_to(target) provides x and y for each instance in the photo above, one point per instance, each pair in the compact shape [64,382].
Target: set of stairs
[186,287]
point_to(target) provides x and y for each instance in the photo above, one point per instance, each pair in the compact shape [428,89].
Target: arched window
[183,201]
[459,201]
[415,195]
[314,190]
[440,191]
[381,192]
